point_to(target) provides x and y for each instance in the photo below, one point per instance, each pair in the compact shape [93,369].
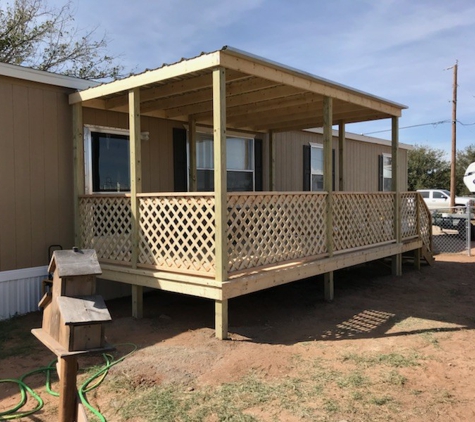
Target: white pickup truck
[439,199]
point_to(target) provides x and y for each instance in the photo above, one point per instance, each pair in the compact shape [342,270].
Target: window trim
[383,156]
[229,134]
[319,147]
[88,129]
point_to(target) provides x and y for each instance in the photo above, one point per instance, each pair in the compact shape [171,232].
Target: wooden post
[271,161]
[67,373]
[192,141]
[327,182]
[137,301]
[135,188]
[221,319]
[220,194]
[341,156]
[79,182]
[396,259]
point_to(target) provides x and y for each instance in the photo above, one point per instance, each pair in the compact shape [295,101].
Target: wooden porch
[220,245]
[271,238]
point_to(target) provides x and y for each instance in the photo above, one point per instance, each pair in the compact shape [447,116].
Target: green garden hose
[16,413]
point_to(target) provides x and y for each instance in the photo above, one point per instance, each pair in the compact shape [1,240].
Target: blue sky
[396,49]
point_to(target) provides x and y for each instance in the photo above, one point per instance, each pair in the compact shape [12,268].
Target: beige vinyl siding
[35,172]
[362,171]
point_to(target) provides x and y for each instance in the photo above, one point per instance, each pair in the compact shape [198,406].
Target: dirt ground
[387,348]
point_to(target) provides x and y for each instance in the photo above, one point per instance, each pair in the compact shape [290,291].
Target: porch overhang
[260,95]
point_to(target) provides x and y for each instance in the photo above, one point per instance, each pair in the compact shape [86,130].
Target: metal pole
[454,139]
[469,229]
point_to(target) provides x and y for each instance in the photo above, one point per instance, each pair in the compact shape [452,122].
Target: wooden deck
[272,238]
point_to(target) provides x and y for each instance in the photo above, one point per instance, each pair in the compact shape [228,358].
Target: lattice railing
[105,225]
[409,225]
[270,228]
[425,223]
[177,233]
[362,219]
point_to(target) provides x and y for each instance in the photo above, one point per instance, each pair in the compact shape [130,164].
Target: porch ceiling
[260,95]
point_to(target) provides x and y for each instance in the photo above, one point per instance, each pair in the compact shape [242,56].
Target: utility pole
[454,138]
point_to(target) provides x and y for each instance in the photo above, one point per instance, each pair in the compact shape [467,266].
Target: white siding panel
[20,291]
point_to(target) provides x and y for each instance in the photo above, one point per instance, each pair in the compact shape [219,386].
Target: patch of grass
[393,377]
[354,379]
[380,400]
[14,339]
[395,360]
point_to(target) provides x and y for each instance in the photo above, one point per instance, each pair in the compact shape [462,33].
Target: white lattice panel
[177,233]
[362,219]
[105,225]
[408,215]
[267,229]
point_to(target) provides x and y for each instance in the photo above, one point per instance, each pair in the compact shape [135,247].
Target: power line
[422,124]
[419,125]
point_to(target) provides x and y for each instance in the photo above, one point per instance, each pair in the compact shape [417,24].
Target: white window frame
[312,147]
[229,134]
[385,156]
[88,129]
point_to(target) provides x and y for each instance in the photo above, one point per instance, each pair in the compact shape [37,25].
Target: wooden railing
[176,231]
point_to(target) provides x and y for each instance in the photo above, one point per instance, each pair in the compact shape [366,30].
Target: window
[316,167]
[440,195]
[385,172]
[313,167]
[239,163]
[424,194]
[107,153]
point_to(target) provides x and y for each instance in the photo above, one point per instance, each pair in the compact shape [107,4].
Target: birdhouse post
[73,321]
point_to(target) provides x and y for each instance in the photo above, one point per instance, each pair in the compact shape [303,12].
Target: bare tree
[34,35]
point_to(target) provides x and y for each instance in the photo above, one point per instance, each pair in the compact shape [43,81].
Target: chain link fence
[453,230]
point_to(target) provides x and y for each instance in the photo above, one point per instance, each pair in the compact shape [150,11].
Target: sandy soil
[430,312]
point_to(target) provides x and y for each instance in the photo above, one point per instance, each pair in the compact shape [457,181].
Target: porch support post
[221,318]
[396,259]
[220,195]
[327,185]
[341,155]
[79,182]
[192,141]
[271,161]
[135,188]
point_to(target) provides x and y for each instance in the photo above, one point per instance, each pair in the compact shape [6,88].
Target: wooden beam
[79,177]
[271,161]
[220,195]
[341,156]
[137,301]
[397,259]
[192,143]
[201,63]
[167,89]
[233,88]
[242,111]
[135,188]
[261,280]
[221,319]
[328,187]
[297,79]
[135,168]
[220,173]
[249,98]
[170,282]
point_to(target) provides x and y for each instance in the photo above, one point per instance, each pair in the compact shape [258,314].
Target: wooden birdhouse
[73,315]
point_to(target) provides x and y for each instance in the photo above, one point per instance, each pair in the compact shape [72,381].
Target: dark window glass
[110,162]
[238,181]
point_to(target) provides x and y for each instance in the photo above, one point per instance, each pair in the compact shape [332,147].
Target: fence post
[469,228]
